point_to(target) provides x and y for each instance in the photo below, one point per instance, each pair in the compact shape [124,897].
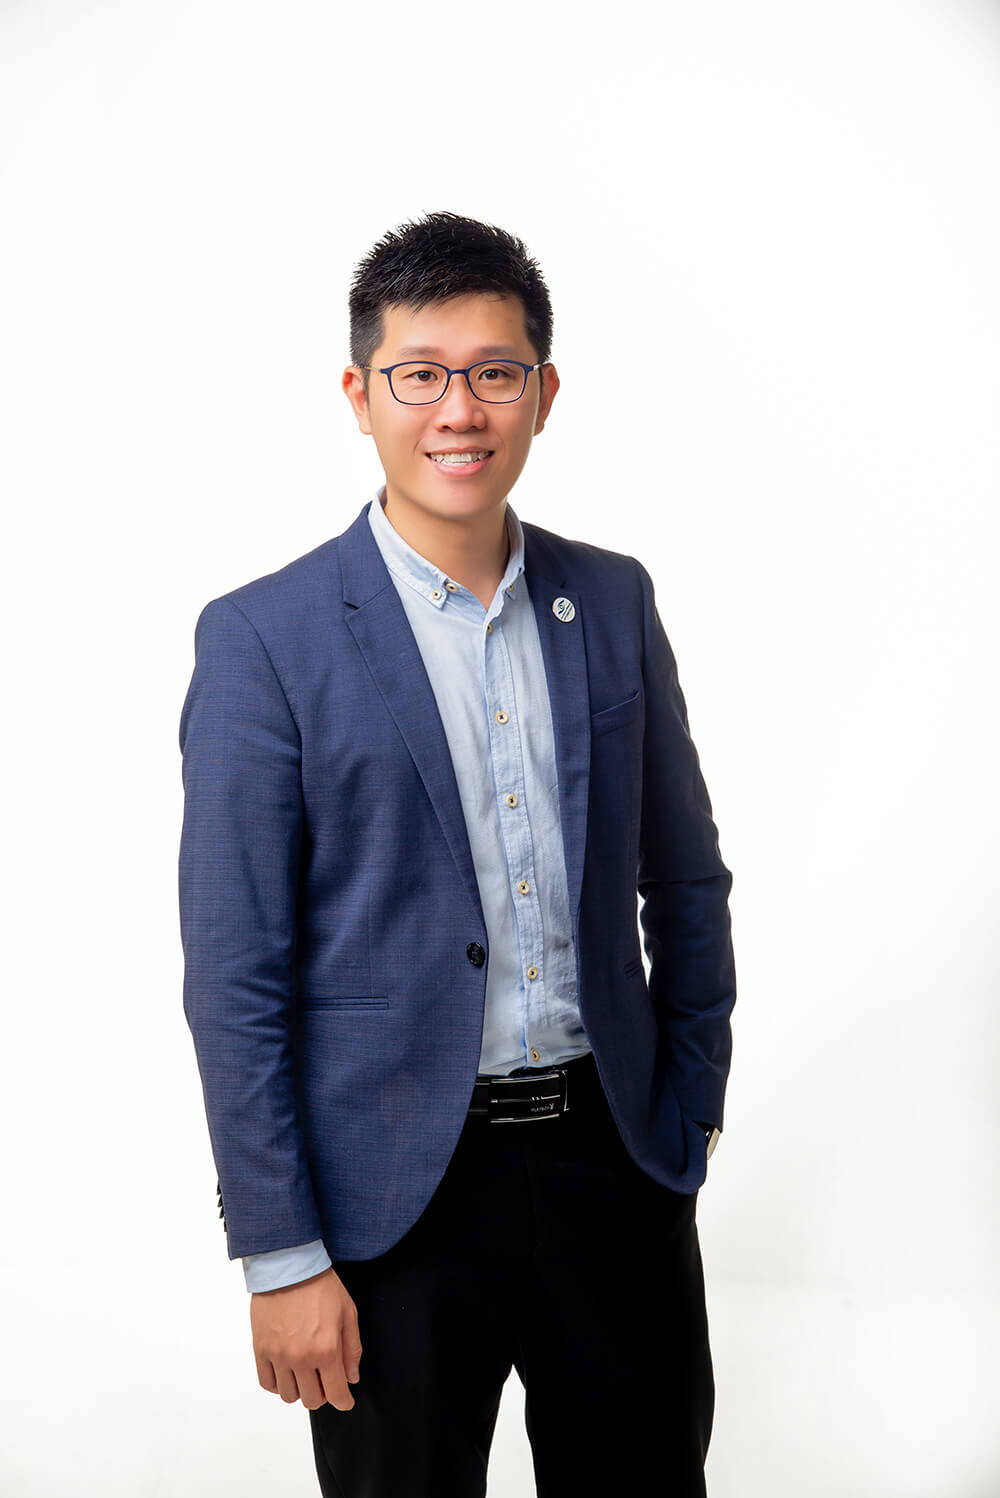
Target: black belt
[536,1093]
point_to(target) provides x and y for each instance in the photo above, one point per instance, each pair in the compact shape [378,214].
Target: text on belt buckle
[534,1098]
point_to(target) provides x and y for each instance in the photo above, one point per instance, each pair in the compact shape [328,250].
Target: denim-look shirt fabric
[486,671]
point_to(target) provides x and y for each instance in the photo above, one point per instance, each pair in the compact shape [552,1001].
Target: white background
[771,234]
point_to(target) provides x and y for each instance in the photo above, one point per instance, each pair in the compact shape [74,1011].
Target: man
[427,768]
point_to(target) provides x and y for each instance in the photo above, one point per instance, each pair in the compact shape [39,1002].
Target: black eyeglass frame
[527,369]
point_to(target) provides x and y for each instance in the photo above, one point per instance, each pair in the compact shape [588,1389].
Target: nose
[458,406]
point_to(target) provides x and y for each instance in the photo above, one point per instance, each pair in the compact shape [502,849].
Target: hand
[306,1341]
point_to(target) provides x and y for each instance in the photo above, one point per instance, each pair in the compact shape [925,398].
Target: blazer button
[475,954]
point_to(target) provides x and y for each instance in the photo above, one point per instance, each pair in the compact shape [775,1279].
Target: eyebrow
[493,351]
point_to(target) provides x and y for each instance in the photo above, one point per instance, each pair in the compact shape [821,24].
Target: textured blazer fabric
[333,937]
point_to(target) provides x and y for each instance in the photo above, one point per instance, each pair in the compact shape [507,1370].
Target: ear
[353,386]
[550,384]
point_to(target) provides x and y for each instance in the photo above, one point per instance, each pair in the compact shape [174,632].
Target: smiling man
[452,442]
[439,786]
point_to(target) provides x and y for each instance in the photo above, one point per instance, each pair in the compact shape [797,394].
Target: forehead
[482,323]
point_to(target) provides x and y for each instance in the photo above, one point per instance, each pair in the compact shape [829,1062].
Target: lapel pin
[564,609]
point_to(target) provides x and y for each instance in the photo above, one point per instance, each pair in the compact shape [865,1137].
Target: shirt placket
[507,761]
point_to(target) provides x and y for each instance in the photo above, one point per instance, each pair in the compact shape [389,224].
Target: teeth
[453,458]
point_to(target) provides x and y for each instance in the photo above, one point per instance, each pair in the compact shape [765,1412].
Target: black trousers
[547,1249]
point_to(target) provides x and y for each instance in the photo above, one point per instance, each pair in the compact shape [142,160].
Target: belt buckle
[533,1098]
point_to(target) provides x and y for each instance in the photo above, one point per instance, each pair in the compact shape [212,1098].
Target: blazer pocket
[345,1001]
[615,715]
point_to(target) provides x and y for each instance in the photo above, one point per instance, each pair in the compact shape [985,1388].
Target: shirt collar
[429,581]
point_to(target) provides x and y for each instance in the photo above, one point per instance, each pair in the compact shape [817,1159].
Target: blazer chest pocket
[616,715]
[345,1001]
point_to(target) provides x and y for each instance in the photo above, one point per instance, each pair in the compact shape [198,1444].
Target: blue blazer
[334,944]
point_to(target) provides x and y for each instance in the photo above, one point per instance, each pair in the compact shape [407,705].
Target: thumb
[352,1350]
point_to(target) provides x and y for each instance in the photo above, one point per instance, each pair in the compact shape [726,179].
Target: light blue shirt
[486,671]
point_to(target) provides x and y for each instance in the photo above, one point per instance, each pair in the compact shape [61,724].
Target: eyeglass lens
[495,382]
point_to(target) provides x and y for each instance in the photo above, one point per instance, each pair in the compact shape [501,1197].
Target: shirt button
[489,627]
[452,587]
[523,886]
[535,1055]
[436,593]
[532,972]
[501,716]
[475,954]
[511,799]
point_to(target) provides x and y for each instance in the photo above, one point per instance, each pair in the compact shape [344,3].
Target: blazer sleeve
[238,874]
[684,887]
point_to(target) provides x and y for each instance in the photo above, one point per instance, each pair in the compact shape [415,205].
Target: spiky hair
[440,256]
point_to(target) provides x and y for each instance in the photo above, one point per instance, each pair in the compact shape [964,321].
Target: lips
[461,466]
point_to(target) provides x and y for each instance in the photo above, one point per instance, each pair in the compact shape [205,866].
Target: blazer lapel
[378,622]
[565,658]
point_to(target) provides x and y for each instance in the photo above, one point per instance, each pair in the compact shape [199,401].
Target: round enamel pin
[564,609]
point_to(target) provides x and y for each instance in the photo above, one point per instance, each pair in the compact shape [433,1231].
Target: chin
[449,497]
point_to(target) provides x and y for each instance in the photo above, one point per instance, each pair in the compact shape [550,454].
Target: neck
[471,549]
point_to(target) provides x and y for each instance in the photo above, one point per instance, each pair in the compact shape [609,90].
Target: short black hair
[440,256]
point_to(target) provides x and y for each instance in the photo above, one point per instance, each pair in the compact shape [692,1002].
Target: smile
[461,459]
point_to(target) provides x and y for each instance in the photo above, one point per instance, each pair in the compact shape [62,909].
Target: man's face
[455,333]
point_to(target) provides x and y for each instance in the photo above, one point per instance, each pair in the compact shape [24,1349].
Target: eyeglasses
[496,381]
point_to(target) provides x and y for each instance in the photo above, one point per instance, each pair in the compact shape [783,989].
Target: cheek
[517,436]
[400,448]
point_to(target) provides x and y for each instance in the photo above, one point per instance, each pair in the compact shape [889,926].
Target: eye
[418,374]
[497,374]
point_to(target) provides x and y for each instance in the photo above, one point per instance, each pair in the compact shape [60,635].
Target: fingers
[266,1376]
[334,1386]
[342,1363]
[312,1385]
[310,1389]
[288,1385]
[306,1342]
[351,1341]
[275,1377]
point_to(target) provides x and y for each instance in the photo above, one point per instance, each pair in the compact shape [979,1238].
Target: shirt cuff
[285,1266]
